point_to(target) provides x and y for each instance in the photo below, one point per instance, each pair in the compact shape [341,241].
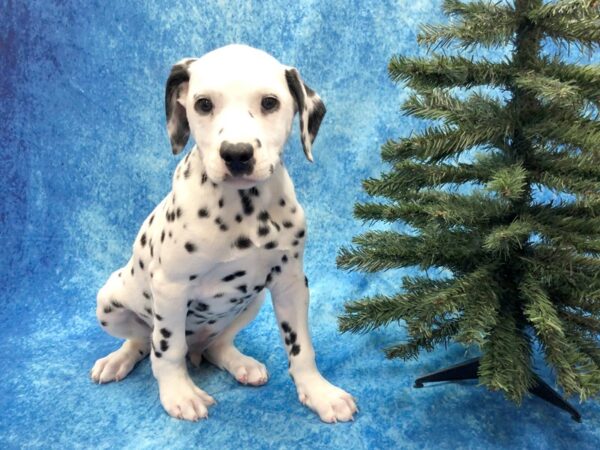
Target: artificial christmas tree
[518,267]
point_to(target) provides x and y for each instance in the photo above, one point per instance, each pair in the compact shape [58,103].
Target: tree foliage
[524,272]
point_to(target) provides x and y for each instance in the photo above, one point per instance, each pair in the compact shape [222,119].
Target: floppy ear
[310,109]
[175,93]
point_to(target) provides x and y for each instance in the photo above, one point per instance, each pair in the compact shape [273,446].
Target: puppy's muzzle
[239,158]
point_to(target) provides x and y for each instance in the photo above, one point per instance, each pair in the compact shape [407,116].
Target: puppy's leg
[119,321]
[290,301]
[223,353]
[179,395]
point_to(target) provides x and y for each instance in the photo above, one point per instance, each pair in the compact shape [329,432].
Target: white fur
[189,271]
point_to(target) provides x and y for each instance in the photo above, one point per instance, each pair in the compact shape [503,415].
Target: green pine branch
[383,250]
[441,333]
[585,79]
[572,367]
[438,143]
[477,23]
[441,71]
[505,363]
[444,208]
[570,21]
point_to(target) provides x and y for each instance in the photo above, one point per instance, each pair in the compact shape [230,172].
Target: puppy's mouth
[241,181]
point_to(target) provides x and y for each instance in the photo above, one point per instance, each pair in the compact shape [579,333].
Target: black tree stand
[468,371]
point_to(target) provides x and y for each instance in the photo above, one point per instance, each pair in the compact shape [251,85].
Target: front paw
[182,399]
[331,403]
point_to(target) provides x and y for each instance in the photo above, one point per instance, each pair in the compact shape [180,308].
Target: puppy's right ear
[175,93]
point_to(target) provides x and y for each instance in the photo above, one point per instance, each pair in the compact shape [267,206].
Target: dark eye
[204,105]
[269,103]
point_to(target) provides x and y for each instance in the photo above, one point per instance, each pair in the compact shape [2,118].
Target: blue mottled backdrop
[84,156]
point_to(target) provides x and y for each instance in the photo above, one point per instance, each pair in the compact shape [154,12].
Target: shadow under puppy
[230,228]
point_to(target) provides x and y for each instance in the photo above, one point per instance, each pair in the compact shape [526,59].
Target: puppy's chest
[227,226]
[226,291]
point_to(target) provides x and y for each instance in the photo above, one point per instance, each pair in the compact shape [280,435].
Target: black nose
[239,158]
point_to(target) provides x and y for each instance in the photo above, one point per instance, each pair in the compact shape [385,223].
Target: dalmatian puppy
[230,228]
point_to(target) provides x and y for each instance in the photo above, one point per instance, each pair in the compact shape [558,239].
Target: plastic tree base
[468,371]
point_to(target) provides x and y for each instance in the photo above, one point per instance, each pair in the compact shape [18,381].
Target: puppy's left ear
[311,109]
[175,93]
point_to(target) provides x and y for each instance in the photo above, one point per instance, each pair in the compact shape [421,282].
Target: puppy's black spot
[162,236]
[157,354]
[295,350]
[143,239]
[295,242]
[258,288]
[203,212]
[190,247]
[179,212]
[107,309]
[285,327]
[284,259]
[220,294]
[212,321]
[293,337]
[201,306]
[233,300]
[132,271]
[271,169]
[151,251]
[242,242]
[148,310]
[271,245]
[293,210]
[164,345]
[276,269]
[146,294]
[158,317]
[276,225]
[103,323]
[268,278]
[170,234]
[141,264]
[254,191]
[222,225]
[141,352]
[296,255]
[238,218]
[287,224]
[243,288]
[188,332]
[247,206]
[193,277]
[187,172]
[221,202]
[300,234]
[166,333]
[282,202]
[263,230]
[263,216]
[151,219]
[204,178]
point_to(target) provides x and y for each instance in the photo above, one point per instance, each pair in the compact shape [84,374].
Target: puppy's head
[239,103]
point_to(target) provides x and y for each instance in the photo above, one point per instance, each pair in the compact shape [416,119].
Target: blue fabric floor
[84,157]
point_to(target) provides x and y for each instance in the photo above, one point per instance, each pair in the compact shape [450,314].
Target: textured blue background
[84,157]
